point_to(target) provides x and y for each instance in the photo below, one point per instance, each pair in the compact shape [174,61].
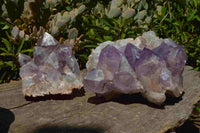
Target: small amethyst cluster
[147,65]
[53,69]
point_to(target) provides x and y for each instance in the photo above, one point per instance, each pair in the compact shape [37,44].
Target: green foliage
[9,51]
[85,24]
[198,109]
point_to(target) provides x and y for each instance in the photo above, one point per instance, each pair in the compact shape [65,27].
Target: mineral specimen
[53,70]
[148,65]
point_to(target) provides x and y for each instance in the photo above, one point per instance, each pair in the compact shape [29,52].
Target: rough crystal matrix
[147,65]
[53,70]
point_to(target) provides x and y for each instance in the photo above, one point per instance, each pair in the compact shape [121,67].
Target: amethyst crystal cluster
[147,65]
[53,70]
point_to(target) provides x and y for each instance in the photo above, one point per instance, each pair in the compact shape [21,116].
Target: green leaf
[27,50]
[95,40]
[163,11]
[195,3]
[116,21]
[191,15]
[6,54]
[145,5]
[123,35]
[170,31]
[106,22]
[90,46]
[3,23]
[5,27]
[7,44]
[99,39]
[198,109]
[68,8]
[191,2]
[20,46]
[3,49]
[3,66]
[9,63]
[176,23]
[2,77]
[108,38]
[197,18]
[83,57]
[98,28]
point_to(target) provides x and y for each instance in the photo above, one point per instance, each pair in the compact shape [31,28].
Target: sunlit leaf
[90,46]
[2,77]
[108,38]
[9,63]
[3,49]
[6,54]
[198,109]
[20,46]
[123,36]
[7,44]
[197,18]
[26,50]
[191,15]
[5,27]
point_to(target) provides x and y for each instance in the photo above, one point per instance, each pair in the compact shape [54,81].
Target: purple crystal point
[132,53]
[176,60]
[53,70]
[47,40]
[147,65]
[109,61]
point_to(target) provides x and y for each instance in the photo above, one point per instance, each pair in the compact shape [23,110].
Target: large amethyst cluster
[53,69]
[147,65]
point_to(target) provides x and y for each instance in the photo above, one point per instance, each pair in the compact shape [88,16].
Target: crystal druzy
[147,65]
[53,69]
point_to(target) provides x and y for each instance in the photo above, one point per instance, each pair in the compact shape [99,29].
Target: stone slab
[83,112]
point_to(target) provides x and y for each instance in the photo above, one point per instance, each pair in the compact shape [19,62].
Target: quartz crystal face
[109,61]
[53,69]
[148,65]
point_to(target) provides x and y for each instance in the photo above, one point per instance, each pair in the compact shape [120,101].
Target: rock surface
[147,65]
[53,70]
